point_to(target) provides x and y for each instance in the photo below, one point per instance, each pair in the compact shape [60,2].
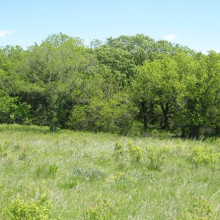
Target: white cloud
[3,34]
[169,37]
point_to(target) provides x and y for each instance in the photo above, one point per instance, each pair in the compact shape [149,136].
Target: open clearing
[82,175]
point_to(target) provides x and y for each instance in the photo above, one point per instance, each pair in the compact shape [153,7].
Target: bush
[135,152]
[200,209]
[19,209]
[12,111]
[131,152]
[156,157]
[112,115]
[119,149]
[204,156]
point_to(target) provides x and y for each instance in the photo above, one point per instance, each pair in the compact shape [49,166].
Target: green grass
[82,175]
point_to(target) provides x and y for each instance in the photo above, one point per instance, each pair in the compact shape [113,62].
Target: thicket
[129,82]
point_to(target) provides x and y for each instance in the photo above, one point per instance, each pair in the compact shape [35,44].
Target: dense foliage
[126,82]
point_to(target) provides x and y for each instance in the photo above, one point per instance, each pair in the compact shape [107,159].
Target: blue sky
[194,23]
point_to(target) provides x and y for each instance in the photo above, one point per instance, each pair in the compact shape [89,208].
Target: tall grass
[81,175]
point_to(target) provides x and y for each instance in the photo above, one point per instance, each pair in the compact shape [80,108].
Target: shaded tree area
[111,86]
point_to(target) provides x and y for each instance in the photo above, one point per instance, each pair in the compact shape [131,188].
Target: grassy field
[80,175]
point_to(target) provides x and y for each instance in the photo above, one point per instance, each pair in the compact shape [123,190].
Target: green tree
[55,69]
[159,85]
[201,101]
[138,46]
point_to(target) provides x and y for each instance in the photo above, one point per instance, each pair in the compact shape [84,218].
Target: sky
[192,23]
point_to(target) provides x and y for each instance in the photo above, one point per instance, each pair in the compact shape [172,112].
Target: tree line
[124,83]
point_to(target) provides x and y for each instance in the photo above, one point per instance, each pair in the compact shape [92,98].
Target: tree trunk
[145,116]
[183,134]
[165,111]
[54,127]
[145,121]
[195,132]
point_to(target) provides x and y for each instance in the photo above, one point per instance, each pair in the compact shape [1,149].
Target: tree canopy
[111,86]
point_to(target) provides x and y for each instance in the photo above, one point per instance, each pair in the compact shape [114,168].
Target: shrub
[119,149]
[135,152]
[156,157]
[200,209]
[205,156]
[19,209]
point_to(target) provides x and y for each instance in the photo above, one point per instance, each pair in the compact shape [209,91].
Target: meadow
[83,175]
